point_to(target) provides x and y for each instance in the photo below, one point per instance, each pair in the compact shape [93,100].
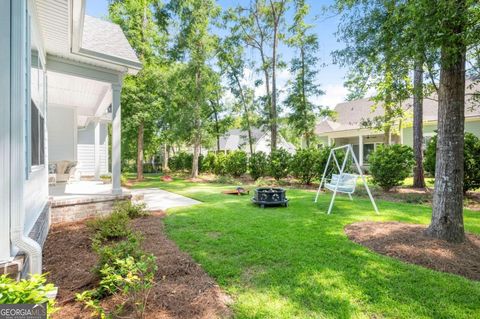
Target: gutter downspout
[19,25]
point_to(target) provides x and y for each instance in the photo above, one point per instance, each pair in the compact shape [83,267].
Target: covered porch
[83,107]
[363,141]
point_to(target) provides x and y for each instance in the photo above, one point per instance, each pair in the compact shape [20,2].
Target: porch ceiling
[90,98]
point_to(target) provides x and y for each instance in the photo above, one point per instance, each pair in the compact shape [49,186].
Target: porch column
[360,149]
[5,131]
[116,139]
[329,141]
[97,150]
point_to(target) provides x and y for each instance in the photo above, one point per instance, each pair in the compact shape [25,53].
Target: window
[367,150]
[37,127]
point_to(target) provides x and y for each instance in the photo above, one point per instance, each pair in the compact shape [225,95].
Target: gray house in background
[346,127]
[237,139]
[60,88]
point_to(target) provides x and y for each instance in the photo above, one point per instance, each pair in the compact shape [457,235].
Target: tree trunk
[273,120]
[418,176]
[196,155]
[165,167]
[247,116]
[140,152]
[197,124]
[447,215]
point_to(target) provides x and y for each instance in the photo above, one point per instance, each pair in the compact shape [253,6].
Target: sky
[330,77]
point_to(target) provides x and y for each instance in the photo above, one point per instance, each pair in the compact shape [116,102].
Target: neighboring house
[237,139]
[346,128]
[59,89]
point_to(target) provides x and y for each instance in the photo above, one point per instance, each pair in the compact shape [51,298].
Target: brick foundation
[77,209]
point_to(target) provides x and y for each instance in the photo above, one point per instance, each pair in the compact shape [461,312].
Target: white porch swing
[343,182]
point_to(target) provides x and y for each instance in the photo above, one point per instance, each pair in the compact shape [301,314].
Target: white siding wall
[62,130]
[86,150]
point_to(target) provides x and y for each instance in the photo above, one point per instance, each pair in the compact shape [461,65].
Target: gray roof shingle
[349,115]
[106,38]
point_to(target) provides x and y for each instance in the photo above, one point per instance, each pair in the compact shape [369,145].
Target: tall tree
[304,68]
[260,26]
[137,21]
[231,61]
[370,30]
[197,45]
[449,26]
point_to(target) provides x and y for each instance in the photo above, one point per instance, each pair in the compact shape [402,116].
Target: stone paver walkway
[158,199]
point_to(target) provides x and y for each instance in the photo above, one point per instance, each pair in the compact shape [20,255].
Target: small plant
[258,165]
[34,290]
[225,180]
[116,250]
[304,165]
[128,278]
[106,178]
[390,165]
[236,163]
[123,180]
[132,210]
[471,162]
[114,226]
[279,163]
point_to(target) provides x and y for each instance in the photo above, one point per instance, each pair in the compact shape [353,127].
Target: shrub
[129,278]
[208,162]
[279,163]
[222,179]
[390,165]
[182,161]
[220,164]
[132,210]
[27,291]
[114,226]
[236,163]
[258,165]
[471,163]
[305,165]
[430,154]
[108,252]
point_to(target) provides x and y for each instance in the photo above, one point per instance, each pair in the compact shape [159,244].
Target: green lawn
[296,262]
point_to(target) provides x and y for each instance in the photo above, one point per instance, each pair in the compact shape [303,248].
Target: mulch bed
[182,290]
[409,243]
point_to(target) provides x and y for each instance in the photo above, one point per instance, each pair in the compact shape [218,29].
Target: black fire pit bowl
[270,196]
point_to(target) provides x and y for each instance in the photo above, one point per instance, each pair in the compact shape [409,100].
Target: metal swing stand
[349,151]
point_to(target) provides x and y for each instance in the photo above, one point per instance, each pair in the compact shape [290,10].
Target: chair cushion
[52,168]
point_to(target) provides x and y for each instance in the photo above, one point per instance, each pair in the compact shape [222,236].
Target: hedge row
[306,164]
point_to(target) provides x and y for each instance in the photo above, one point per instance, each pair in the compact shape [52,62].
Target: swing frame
[341,169]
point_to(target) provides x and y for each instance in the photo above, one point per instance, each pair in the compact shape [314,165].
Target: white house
[237,139]
[59,89]
[346,126]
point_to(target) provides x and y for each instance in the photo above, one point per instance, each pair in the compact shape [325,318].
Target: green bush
[471,163]
[182,161]
[390,165]
[305,165]
[220,164]
[429,156]
[236,163]
[34,290]
[112,227]
[132,210]
[258,165]
[129,278]
[208,163]
[279,163]
[108,252]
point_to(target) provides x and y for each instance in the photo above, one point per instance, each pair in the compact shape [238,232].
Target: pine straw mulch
[409,243]
[182,289]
